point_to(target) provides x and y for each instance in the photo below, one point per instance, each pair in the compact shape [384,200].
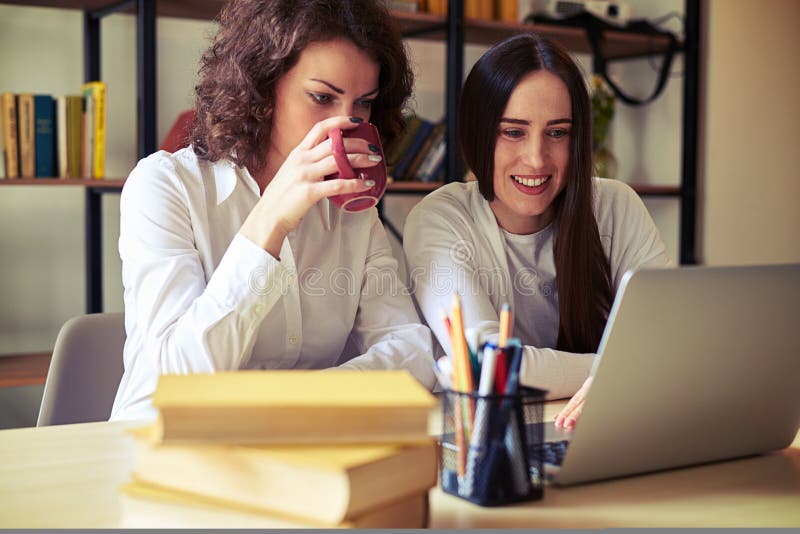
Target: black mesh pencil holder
[485,440]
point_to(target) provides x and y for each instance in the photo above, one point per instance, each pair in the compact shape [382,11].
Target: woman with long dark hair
[535,229]
[232,255]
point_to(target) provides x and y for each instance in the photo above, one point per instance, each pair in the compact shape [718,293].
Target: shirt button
[259,308]
[293,340]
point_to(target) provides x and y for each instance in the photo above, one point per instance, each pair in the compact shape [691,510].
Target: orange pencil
[460,351]
[505,325]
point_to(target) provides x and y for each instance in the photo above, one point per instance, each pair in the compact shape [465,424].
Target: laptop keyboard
[551,452]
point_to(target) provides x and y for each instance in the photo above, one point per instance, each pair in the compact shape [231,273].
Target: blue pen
[512,438]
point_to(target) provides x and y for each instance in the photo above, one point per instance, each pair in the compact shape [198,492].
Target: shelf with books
[106,184]
[452,29]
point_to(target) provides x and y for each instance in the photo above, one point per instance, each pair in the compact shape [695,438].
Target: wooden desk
[66,476]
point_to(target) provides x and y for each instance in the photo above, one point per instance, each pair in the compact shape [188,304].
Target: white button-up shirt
[199,297]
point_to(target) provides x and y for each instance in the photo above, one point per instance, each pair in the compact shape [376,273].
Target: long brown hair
[258,42]
[582,269]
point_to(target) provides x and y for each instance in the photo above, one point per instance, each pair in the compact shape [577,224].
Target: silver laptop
[696,365]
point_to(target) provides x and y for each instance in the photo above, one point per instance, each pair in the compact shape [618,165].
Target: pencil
[460,351]
[505,325]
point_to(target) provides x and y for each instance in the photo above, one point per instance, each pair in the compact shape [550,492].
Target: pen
[480,428]
[512,438]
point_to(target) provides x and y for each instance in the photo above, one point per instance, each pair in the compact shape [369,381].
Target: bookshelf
[454,30]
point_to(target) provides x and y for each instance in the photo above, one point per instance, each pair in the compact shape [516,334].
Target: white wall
[752,133]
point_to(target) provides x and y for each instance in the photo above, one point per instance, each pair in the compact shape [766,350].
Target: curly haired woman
[232,255]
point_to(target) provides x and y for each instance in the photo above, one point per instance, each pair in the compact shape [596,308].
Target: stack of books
[286,448]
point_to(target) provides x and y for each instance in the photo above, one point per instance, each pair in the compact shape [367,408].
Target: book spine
[8,103]
[437,7]
[74,136]
[435,154]
[2,150]
[27,148]
[62,150]
[87,129]
[507,10]
[99,147]
[44,135]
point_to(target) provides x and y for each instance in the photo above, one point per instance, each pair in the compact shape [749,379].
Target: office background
[748,179]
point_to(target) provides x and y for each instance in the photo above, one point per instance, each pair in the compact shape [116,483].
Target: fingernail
[373,148]
[369,183]
[374,158]
[356,120]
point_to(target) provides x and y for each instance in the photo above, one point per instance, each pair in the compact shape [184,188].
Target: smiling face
[532,153]
[330,78]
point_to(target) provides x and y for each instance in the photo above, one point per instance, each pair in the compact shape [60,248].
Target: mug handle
[339,155]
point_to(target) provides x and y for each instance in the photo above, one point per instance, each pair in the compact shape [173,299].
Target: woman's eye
[558,133]
[320,98]
[366,104]
[512,133]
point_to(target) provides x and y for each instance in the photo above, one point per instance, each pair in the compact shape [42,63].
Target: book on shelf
[307,406]
[94,94]
[74,134]
[325,484]
[479,9]
[507,11]
[2,153]
[432,166]
[44,120]
[399,147]
[421,134]
[8,107]
[415,171]
[61,137]
[437,7]
[146,505]
[25,125]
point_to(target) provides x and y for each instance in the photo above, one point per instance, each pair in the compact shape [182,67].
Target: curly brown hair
[258,42]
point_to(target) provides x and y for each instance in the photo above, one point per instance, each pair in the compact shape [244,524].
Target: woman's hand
[568,416]
[300,183]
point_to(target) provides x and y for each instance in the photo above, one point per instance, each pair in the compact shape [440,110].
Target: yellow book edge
[140,489]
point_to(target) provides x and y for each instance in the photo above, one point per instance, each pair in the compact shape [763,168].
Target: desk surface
[67,476]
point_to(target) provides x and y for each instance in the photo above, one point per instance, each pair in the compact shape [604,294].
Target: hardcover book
[150,506]
[44,135]
[323,484]
[332,406]
[27,148]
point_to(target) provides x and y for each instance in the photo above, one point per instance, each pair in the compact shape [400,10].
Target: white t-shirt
[199,297]
[453,243]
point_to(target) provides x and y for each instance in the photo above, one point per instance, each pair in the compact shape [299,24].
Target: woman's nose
[350,109]
[536,154]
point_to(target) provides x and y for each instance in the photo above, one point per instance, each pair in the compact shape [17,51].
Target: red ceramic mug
[364,199]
